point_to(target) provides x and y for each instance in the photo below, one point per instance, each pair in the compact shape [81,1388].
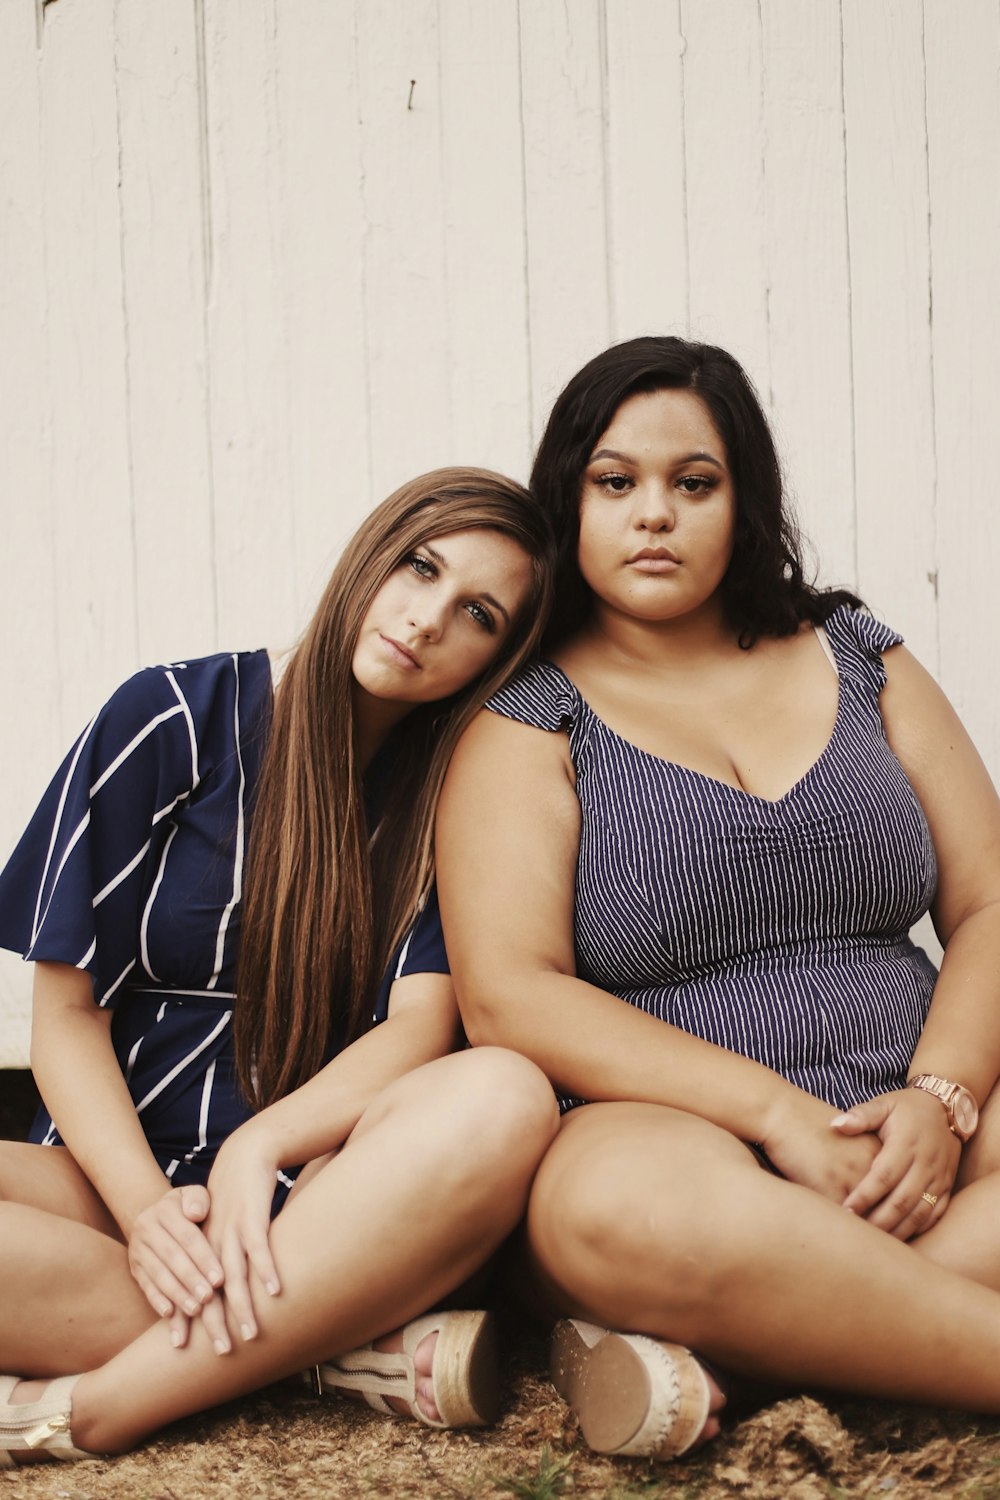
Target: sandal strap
[372,1374]
[39,1424]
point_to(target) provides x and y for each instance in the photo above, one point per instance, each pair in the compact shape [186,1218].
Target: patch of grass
[549,1482]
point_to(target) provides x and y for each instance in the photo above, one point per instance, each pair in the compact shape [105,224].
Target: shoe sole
[608,1380]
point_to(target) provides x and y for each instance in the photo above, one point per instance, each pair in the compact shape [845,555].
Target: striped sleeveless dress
[776,929]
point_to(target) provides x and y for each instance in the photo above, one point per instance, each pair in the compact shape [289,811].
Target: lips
[401,654]
[654,560]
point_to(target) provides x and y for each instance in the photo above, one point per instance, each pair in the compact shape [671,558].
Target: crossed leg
[434,1176]
[67,1297]
[649,1220]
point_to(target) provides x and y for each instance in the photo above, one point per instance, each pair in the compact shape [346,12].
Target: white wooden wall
[260,260]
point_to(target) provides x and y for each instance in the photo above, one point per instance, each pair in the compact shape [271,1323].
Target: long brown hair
[324,906]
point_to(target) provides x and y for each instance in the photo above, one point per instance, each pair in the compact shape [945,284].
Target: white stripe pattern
[777,929]
[220,943]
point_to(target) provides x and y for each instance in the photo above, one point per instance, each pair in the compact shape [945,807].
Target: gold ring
[930,1198]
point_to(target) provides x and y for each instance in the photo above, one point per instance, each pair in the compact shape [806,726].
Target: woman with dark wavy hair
[679,861]
[242,1006]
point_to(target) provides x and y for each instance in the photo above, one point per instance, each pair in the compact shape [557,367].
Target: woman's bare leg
[67,1298]
[435,1176]
[48,1178]
[649,1220]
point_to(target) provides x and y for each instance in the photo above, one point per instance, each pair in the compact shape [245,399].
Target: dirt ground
[284,1445]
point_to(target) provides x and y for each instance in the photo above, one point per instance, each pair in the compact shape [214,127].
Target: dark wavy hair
[764,590]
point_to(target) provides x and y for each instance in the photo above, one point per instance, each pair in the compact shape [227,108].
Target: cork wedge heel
[632,1394]
[464,1372]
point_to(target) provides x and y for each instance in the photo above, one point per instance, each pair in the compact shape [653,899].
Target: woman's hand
[919,1156]
[174,1264]
[800,1143]
[241,1185]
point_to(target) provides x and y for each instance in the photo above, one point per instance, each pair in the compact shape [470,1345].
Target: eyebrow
[442,562]
[623,458]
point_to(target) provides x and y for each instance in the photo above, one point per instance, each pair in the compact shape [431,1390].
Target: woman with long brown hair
[235,864]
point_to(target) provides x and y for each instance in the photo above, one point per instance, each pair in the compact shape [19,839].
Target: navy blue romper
[778,930]
[132,869]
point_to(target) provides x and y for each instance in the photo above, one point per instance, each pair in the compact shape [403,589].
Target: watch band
[959,1103]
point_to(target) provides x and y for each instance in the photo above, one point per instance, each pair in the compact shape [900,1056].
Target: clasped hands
[193,1250]
[892,1160]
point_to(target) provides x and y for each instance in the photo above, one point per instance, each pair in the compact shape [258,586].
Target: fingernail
[221,1346]
[273,1288]
[203,1290]
[840,1120]
[248,1331]
[192,1308]
[216,1275]
[176,1337]
[164,1309]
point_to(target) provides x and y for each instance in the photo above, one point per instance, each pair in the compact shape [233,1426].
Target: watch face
[965,1112]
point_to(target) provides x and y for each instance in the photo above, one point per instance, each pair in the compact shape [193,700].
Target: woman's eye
[617,484]
[482,616]
[695,484]
[421,565]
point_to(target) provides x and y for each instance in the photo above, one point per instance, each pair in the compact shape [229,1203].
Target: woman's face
[441,617]
[657,509]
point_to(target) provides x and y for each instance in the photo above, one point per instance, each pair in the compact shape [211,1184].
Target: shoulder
[188,690]
[541,696]
[859,641]
[174,715]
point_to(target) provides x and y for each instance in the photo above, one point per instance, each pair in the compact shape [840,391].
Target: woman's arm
[507,846]
[961,1038]
[81,1083]
[310,1123]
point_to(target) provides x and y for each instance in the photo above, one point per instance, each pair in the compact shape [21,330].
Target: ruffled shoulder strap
[858,640]
[542,696]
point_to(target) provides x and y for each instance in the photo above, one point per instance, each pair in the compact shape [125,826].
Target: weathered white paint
[260,261]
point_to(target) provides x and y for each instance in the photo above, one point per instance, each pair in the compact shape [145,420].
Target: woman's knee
[623,1212]
[482,1109]
[511,1099]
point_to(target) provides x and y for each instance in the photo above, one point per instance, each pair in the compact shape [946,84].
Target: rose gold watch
[959,1105]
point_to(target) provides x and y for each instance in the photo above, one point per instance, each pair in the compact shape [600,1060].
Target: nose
[427,620]
[653,507]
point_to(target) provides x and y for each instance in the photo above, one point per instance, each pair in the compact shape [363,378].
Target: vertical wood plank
[486,302]
[405,302]
[962,47]
[248,336]
[27,586]
[890,315]
[808,290]
[322,285]
[164,269]
[723,128]
[647,238]
[562,84]
[93,550]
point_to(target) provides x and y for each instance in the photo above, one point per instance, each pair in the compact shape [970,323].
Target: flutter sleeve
[858,640]
[542,696]
[74,889]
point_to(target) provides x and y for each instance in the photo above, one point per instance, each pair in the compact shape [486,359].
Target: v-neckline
[706,776]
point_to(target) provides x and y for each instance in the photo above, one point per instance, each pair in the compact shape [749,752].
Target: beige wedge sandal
[38,1425]
[464,1372]
[632,1394]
